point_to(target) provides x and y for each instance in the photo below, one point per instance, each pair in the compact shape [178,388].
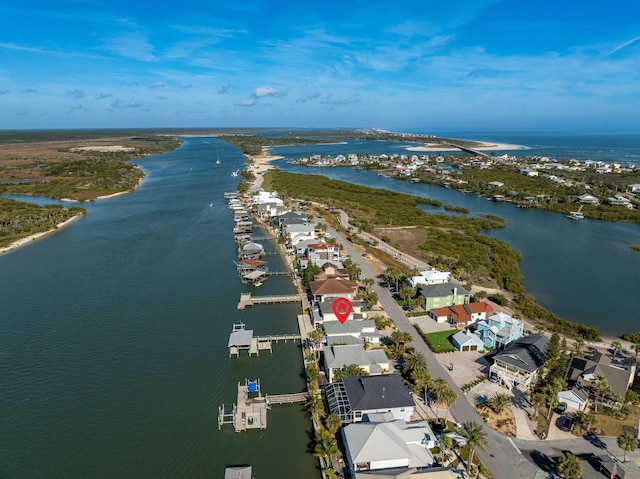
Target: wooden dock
[246,299]
[287,398]
[250,410]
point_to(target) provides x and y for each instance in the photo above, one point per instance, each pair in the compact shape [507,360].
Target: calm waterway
[583,271]
[113,338]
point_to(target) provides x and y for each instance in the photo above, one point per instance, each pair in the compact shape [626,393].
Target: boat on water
[217,162]
[576,215]
[236,173]
[210,205]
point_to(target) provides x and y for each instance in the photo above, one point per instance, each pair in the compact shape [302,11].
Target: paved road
[505,458]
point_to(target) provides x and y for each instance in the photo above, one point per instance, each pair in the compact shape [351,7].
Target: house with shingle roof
[395,446]
[443,294]
[519,363]
[618,370]
[499,330]
[333,288]
[462,315]
[374,362]
[354,398]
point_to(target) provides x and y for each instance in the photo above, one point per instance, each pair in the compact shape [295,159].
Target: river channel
[113,338]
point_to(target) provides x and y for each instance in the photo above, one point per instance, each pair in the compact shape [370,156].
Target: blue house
[499,331]
[465,341]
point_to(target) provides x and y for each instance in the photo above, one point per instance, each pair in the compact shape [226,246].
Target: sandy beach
[29,239]
[484,147]
[260,164]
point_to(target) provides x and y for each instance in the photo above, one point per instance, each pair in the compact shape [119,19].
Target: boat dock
[250,410]
[246,299]
[242,339]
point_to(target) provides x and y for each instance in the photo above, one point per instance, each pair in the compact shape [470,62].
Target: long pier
[287,398]
[247,300]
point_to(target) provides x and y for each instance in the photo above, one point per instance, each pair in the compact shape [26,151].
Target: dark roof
[377,392]
[442,289]
[618,374]
[527,353]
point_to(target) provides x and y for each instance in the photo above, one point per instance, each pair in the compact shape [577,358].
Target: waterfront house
[298,232]
[588,199]
[390,448]
[443,294]
[634,188]
[354,398]
[320,253]
[618,370]
[251,251]
[374,362]
[466,341]
[495,184]
[499,330]
[291,217]
[359,310]
[520,362]
[620,200]
[351,332]
[432,276]
[462,315]
[333,288]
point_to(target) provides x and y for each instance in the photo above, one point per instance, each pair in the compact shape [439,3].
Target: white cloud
[264,91]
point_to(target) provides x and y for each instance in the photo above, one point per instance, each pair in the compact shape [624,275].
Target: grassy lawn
[440,341]
[611,426]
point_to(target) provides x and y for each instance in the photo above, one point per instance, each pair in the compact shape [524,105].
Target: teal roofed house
[499,331]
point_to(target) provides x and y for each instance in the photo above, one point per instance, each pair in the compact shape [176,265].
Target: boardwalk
[247,300]
[287,398]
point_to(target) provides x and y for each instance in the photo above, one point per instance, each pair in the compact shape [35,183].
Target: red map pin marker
[342,309]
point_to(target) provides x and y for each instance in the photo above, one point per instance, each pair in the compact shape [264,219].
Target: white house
[377,446]
[360,331]
[587,199]
[432,276]
[574,398]
[374,362]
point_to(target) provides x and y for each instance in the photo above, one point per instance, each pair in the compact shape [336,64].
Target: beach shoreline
[33,237]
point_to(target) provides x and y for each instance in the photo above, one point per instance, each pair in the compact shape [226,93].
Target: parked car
[567,423]
[562,407]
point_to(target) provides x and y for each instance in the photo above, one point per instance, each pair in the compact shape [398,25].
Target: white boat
[576,215]
[217,162]
[236,173]
[210,205]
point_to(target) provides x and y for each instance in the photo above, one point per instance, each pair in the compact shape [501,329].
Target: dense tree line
[19,220]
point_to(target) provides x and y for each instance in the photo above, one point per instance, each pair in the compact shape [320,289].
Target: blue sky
[431,65]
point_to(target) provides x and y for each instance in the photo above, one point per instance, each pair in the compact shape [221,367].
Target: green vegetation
[368,207]
[453,242]
[80,174]
[253,144]
[632,337]
[19,220]
[456,209]
[439,342]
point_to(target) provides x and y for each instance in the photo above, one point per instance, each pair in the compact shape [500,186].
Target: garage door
[474,347]
[465,348]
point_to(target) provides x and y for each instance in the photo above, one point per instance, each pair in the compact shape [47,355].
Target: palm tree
[326,446]
[617,347]
[316,337]
[401,337]
[600,387]
[422,380]
[333,422]
[449,398]
[315,406]
[578,347]
[476,439]
[585,419]
[499,401]
[414,360]
[569,466]
[627,442]
[439,390]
